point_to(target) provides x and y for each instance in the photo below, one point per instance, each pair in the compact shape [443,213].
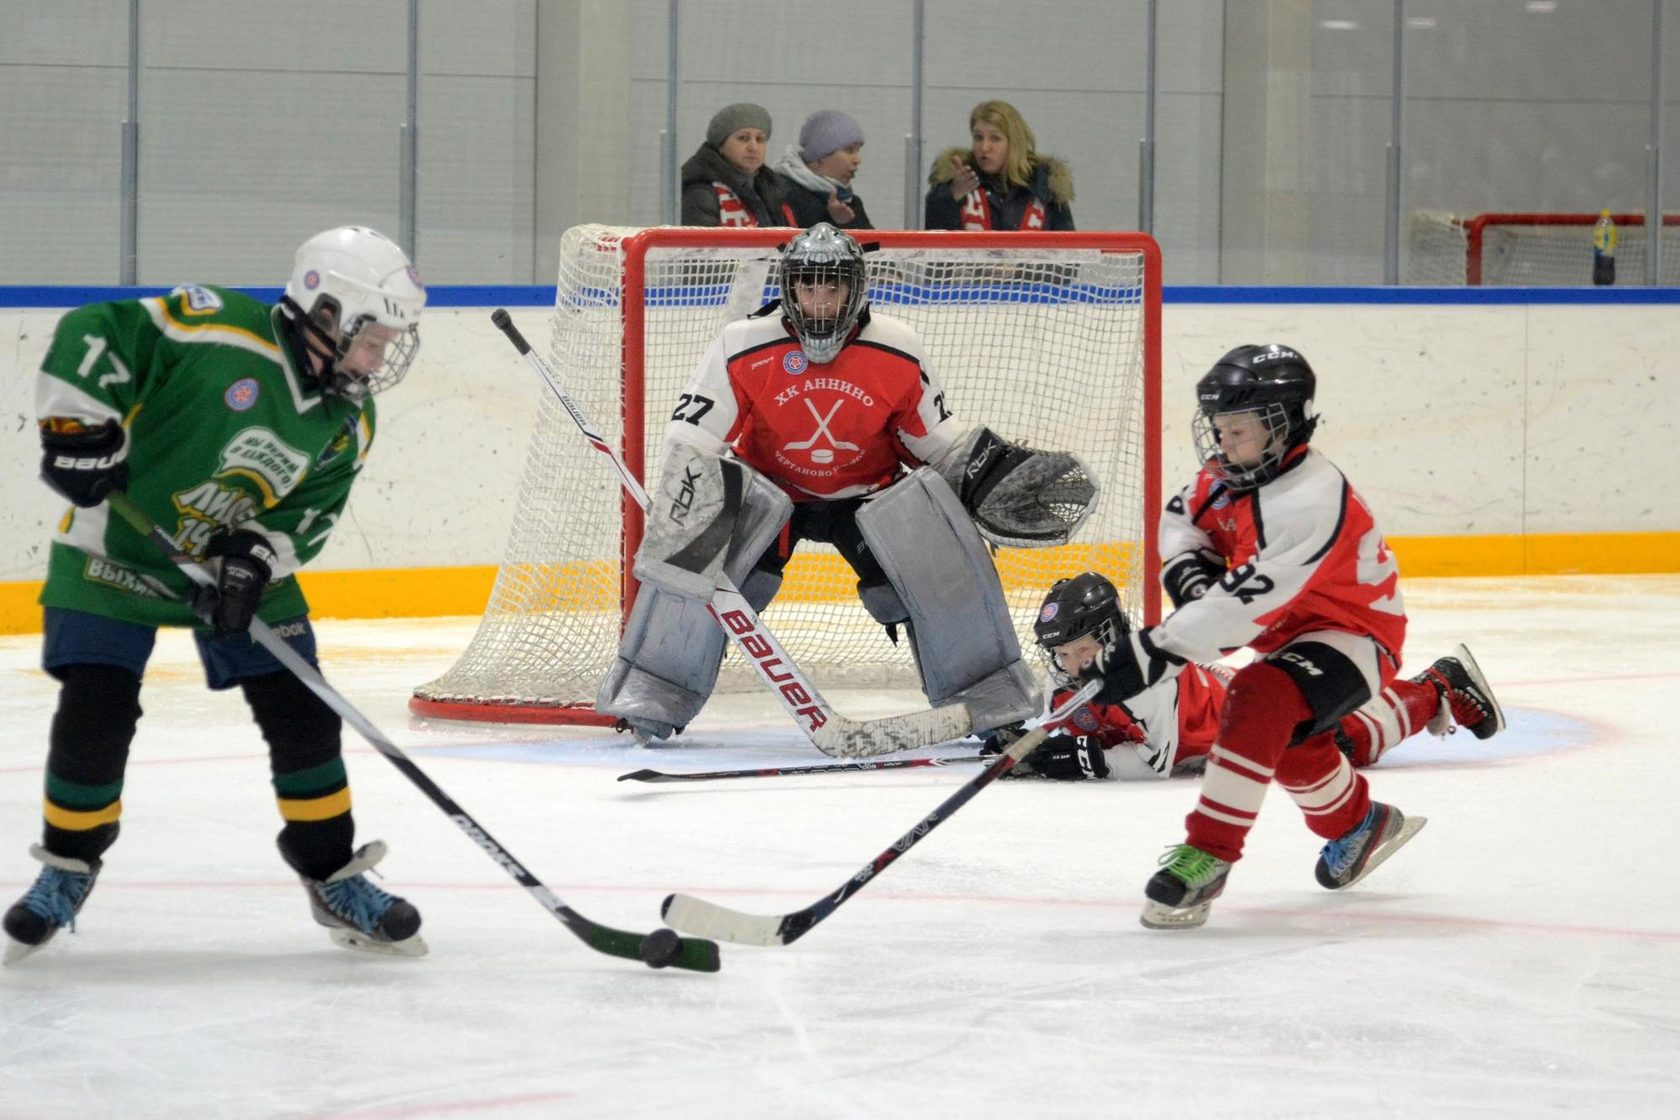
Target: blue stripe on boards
[20,296]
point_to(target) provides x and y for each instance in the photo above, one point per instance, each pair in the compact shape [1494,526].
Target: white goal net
[1531,249]
[1049,339]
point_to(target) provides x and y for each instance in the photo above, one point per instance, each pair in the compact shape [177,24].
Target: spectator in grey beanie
[817,175]
[725,182]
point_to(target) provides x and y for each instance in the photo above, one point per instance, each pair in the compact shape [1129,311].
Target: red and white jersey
[1303,552]
[1170,725]
[838,430]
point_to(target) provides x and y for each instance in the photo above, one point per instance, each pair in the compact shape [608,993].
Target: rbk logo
[684,503]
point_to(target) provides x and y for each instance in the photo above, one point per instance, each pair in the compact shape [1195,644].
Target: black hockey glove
[86,464]
[1129,665]
[1189,575]
[1068,758]
[247,563]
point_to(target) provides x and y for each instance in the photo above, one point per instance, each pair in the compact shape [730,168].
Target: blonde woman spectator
[725,182]
[818,173]
[1000,181]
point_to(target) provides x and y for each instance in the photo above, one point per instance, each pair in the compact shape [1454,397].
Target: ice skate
[1466,699]
[1181,893]
[646,731]
[1348,859]
[51,904]
[358,915]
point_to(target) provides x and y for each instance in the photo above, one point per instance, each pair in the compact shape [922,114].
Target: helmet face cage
[825,258]
[1204,429]
[353,290]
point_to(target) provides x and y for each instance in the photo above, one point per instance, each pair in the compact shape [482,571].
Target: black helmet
[822,254]
[1085,604]
[1271,380]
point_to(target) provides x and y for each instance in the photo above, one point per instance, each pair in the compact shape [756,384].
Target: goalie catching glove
[1018,496]
[1060,758]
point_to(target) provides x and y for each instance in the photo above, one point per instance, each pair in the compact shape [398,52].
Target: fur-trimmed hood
[1050,174]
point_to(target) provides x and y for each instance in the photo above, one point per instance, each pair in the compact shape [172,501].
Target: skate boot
[358,915]
[1351,857]
[51,904]
[1180,894]
[1466,698]
[646,730]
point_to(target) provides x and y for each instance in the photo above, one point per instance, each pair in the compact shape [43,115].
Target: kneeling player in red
[1170,727]
[1311,587]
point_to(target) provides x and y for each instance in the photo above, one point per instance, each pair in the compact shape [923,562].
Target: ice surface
[1522,956]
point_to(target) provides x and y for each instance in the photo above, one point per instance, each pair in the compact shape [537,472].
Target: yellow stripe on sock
[72,820]
[315,808]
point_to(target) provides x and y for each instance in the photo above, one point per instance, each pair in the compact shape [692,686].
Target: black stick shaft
[789,771]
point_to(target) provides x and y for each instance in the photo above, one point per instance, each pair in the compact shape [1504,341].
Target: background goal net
[1052,339]
[1531,249]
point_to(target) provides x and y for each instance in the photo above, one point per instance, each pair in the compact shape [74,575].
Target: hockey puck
[661,948]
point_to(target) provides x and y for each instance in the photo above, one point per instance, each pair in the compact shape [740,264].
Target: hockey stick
[787,771]
[831,732]
[697,916]
[657,949]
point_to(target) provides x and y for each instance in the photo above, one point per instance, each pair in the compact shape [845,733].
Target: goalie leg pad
[948,589]
[708,511]
[668,658]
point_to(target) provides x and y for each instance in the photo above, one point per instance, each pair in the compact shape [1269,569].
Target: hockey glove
[1130,664]
[1068,758]
[83,464]
[247,562]
[1189,575]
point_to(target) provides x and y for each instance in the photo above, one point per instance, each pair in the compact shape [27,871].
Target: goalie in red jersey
[817,419]
[1170,727]
[1306,581]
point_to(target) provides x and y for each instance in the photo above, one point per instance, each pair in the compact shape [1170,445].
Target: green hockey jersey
[222,431]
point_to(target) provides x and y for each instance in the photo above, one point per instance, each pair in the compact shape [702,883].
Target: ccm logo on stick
[760,650]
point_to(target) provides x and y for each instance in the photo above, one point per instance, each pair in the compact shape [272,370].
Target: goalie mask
[1253,408]
[1086,606]
[354,303]
[824,289]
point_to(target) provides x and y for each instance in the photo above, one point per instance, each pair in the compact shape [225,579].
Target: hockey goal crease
[1050,339]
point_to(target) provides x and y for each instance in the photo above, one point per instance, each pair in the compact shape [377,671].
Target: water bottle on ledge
[1604,249]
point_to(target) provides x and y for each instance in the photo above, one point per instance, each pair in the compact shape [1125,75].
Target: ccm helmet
[1087,604]
[343,282]
[1272,381]
[823,255]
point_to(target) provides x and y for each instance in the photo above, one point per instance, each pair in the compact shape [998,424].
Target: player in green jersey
[239,428]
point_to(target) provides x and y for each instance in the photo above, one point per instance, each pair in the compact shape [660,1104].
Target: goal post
[1050,339]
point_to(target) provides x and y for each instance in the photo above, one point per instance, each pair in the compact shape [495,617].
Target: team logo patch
[312,279]
[1085,719]
[1223,500]
[242,394]
[795,361]
[1049,612]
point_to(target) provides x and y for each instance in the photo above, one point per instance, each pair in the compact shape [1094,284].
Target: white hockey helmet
[356,292]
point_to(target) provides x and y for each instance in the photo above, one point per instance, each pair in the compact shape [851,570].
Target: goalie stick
[707,919]
[694,954]
[787,771]
[831,732]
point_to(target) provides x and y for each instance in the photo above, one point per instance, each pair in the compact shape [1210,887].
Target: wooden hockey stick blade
[708,919]
[845,738]
[792,771]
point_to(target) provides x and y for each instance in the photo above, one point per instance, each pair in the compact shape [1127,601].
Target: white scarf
[796,169]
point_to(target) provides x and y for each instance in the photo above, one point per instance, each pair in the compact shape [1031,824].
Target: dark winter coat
[1052,185]
[809,207]
[760,195]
